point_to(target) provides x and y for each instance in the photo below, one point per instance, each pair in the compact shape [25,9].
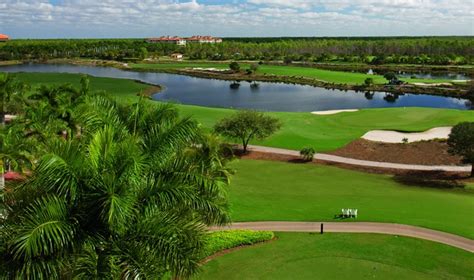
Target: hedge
[222,240]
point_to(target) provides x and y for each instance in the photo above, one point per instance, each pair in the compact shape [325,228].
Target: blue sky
[146,18]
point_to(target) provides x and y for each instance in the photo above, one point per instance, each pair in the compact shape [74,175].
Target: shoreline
[451,91]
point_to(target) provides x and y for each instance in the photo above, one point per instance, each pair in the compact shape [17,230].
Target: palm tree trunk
[2,175]
[103,263]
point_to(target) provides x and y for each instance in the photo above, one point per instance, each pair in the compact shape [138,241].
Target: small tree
[287,60]
[308,153]
[369,81]
[390,76]
[234,66]
[247,125]
[254,67]
[461,142]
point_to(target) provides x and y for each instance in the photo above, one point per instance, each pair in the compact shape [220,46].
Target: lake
[261,95]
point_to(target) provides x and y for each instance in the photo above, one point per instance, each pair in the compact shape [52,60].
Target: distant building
[177,56]
[204,39]
[182,41]
[168,39]
[4,38]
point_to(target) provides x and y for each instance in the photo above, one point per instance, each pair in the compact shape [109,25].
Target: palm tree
[130,198]
[16,151]
[12,96]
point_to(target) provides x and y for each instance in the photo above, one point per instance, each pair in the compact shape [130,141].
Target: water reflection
[270,96]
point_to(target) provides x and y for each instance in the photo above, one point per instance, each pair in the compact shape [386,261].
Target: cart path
[359,227]
[366,163]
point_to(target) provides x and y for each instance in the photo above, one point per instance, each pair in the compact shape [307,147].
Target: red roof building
[4,38]
[168,39]
[182,41]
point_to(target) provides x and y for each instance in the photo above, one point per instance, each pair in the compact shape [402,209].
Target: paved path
[360,227]
[365,163]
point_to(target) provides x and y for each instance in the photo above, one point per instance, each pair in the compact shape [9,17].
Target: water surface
[260,95]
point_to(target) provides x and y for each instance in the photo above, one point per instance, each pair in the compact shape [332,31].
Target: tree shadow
[432,179]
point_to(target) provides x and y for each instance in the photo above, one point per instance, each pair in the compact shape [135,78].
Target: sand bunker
[332,112]
[432,84]
[388,136]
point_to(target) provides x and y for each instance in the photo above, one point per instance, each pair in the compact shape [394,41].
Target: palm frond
[45,229]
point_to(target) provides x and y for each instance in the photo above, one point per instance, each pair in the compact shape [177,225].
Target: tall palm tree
[12,95]
[130,198]
[12,98]
[16,151]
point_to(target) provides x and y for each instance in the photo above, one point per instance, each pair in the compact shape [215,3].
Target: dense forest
[372,50]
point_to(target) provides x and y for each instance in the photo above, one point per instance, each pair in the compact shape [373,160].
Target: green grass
[338,77]
[330,132]
[181,65]
[278,191]
[342,256]
[324,133]
[123,89]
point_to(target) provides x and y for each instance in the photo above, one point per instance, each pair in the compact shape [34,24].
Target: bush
[287,60]
[222,240]
[234,66]
[390,76]
[369,81]
[307,153]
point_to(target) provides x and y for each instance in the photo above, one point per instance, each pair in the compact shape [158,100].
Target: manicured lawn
[330,132]
[342,256]
[278,191]
[123,89]
[324,133]
[181,65]
[338,77]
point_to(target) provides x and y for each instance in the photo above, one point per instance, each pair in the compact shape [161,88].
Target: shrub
[405,140]
[369,81]
[390,76]
[307,153]
[222,240]
[234,66]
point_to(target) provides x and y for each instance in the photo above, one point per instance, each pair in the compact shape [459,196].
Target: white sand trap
[332,112]
[432,84]
[389,136]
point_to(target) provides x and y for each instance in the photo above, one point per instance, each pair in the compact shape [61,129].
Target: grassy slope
[342,256]
[299,129]
[277,191]
[122,89]
[330,132]
[339,77]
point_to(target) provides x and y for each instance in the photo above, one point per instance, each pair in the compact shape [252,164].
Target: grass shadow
[434,179]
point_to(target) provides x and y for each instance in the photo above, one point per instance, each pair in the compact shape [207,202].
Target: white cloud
[128,18]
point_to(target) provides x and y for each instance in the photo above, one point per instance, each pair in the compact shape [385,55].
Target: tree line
[378,50]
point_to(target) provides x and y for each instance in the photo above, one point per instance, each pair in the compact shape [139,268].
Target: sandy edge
[390,136]
[332,112]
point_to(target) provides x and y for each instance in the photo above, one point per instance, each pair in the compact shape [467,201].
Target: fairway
[342,256]
[276,191]
[337,77]
[324,133]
